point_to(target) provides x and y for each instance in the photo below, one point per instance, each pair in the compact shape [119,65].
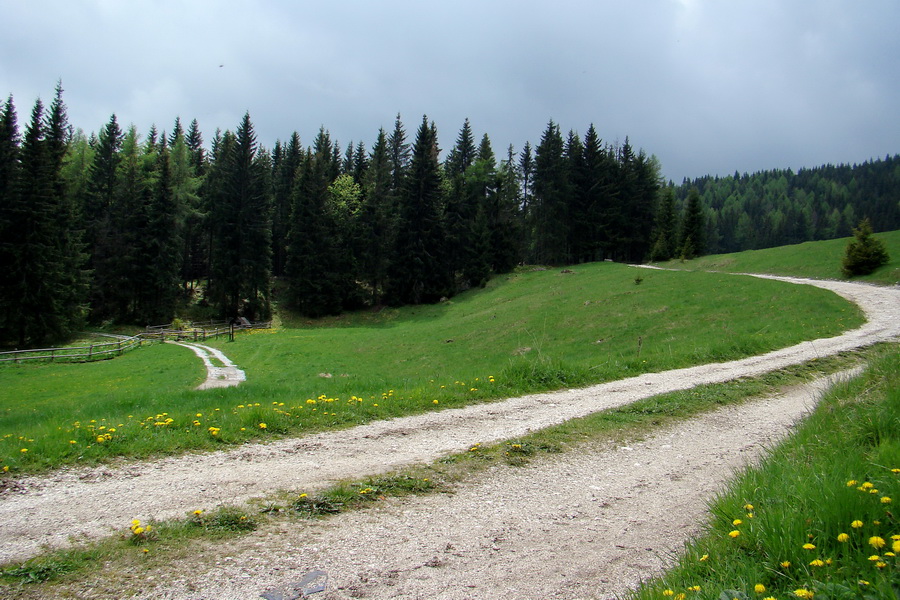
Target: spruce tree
[419,272]
[548,213]
[284,179]
[665,228]
[375,231]
[864,253]
[101,232]
[9,207]
[692,240]
[504,218]
[41,300]
[315,278]
[461,206]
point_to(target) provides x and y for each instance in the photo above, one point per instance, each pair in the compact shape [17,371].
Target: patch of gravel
[536,532]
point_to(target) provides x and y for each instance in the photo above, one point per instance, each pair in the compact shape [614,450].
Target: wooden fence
[192,332]
[75,353]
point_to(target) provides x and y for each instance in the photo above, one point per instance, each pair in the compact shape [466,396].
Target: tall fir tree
[665,229]
[240,217]
[284,177]
[101,232]
[41,300]
[9,207]
[316,281]
[377,218]
[418,270]
[692,238]
[548,213]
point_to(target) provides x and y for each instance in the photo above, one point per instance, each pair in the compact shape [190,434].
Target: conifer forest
[129,227]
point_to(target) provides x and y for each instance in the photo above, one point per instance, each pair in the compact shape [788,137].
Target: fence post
[91,352]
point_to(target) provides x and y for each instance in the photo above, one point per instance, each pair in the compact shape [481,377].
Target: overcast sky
[708,86]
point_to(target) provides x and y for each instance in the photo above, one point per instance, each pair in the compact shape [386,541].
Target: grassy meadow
[819,260]
[528,331]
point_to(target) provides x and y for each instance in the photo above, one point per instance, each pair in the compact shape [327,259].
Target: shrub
[864,253]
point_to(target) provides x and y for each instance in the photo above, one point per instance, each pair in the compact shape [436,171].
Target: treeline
[120,227]
[780,207]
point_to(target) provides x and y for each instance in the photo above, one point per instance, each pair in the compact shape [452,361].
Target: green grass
[818,260]
[794,514]
[525,332]
[168,541]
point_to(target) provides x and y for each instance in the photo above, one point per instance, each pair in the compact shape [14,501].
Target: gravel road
[587,524]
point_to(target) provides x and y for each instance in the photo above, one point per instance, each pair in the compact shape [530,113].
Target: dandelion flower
[748,506]
[843,537]
[734,534]
[198,512]
[803,593]
[856,524]
[262,425]
[704,558]
[874,558]
[817,563]
[736,522]
[23,450]
[852,482]
[694,588]
[680,597]
[786,564]
[880,564]
[867,485]
[896,546]
[435,402]
[668,592]
[863,582]
[144,550]
[808,546]
[885,500]
[759,588]
[895,470]
[876,542]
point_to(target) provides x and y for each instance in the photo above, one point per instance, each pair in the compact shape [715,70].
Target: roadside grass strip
[817,518]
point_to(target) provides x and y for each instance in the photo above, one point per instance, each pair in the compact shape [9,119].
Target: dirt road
[576,527]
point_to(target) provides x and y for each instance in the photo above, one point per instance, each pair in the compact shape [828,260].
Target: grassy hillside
[528,331]
[819,260]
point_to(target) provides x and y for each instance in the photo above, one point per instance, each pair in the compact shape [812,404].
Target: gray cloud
[709,87]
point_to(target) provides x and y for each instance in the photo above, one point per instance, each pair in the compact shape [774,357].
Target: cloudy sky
[708,86]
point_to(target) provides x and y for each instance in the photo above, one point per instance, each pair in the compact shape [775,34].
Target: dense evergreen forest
[120,227]
[780,207]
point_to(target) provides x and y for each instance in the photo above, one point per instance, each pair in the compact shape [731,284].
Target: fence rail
[74,353]
[194,332]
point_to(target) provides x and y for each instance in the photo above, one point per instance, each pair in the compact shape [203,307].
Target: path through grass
[525,332]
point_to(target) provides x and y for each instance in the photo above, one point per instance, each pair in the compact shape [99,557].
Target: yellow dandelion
[704,558]
[808,546]
[303,495]
[843,537]
[759,588]
[694,588]
[817,563]
[680,597]
[434,402]
[803,593]
[880,564]
[144,550]
[895,470]
[874,558]
[198,512]
[736,522]
[885,500]
[867,485]
[23,450]
[668,592]
[786,564]
[733,534]
[876,542]
[852,483]
[262,425]
[856,524]
[138,530]
[863,582]
[896,546]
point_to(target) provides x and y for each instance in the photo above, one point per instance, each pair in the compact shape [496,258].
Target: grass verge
[137,551]
[817,518]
